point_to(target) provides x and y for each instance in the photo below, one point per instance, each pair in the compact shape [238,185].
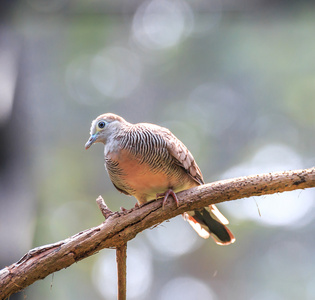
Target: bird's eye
[101,124]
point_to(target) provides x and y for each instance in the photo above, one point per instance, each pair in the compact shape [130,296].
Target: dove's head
[103,127]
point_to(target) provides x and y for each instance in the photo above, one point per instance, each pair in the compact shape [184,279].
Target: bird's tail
[210,222]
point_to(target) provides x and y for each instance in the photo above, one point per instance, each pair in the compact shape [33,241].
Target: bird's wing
[181,154]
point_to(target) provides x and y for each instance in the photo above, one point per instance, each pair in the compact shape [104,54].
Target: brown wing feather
[182,155]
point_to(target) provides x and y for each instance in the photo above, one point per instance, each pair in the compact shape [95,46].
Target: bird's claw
[169,192]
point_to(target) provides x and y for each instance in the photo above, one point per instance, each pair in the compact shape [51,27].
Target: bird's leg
[169,192]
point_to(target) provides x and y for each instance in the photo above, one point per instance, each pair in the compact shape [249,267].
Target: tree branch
[122,227]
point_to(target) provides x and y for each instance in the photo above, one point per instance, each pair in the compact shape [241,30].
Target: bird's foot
[169,192]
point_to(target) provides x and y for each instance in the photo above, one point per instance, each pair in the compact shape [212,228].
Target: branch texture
[121,227]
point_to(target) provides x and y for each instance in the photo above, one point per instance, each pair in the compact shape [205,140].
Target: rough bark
[121,258]
[121,227]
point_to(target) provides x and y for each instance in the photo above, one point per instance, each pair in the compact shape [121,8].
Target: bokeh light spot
[212,101]
[115,72]
[162,24]
[281,209]
[186,288]
[179,239]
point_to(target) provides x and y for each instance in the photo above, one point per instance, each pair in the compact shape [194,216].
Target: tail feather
[210,222]
[216,214]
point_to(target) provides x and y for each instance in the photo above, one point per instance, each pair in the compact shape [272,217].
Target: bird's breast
[132,174]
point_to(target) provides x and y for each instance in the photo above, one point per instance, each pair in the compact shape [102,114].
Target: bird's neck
[116,140]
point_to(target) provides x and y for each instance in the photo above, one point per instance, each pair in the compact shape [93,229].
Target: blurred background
[234,80]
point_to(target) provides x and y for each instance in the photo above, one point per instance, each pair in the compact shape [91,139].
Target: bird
[148,161]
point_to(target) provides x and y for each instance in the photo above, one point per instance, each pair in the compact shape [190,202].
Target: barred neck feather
[143,142]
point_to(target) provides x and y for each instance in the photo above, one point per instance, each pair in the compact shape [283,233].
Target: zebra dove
[147,161]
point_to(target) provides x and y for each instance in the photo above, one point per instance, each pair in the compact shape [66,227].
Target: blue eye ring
[101,124]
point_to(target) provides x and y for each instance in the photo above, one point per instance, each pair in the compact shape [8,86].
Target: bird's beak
[91,141]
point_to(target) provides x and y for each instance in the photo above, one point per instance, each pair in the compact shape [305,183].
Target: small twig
[121,258]
[103,207]
[121,253]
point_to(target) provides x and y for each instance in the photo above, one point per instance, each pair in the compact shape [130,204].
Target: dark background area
[234,80]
